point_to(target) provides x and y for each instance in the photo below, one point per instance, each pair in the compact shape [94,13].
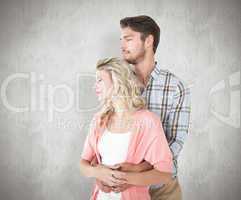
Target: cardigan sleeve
[157,151]
[88,151]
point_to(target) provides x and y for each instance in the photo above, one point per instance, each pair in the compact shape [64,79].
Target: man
[166,95]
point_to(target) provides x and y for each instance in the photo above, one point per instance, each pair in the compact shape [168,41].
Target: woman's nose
[96,87]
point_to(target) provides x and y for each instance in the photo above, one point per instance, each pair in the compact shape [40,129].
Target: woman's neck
[121,109]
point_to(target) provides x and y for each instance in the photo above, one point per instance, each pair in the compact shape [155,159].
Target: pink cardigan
[147,143]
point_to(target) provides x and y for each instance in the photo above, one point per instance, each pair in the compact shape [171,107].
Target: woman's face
[103,84]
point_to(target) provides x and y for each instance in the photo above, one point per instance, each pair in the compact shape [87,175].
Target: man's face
[132,47]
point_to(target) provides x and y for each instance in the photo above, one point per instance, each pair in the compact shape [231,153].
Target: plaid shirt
[168,97]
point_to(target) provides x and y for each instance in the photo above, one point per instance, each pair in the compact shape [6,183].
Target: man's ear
[149,41]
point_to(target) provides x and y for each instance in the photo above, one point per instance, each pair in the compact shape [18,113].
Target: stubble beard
[135,60]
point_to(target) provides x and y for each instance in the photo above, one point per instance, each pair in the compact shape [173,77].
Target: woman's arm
[156,152]
[87,169]
[103,173]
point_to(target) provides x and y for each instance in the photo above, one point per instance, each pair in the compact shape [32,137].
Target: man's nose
[123,45]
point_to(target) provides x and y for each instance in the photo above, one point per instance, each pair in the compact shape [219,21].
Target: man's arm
[129,167]
[125,167]
[179,119]
[146,178]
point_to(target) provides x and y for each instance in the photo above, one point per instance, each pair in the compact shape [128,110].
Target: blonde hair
[125,85]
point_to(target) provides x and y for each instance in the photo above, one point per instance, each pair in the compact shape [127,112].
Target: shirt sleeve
[88,151]
[179,119]
[158,152]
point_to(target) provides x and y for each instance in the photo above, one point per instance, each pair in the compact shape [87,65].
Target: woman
[124,131]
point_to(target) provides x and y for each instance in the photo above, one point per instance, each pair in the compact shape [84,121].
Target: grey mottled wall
[48,50]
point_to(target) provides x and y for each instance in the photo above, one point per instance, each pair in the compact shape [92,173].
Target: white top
[113,149]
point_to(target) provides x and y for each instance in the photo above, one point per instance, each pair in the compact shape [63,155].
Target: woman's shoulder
[146,117]
[146,114]
[148,123]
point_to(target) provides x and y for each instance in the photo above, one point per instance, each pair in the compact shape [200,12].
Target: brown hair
[144,25]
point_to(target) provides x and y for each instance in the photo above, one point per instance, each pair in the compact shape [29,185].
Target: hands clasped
[110,178]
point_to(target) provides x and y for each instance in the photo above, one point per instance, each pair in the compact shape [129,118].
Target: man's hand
[129,167]
[107,189]
[123,167]
[104,187]
[109,176]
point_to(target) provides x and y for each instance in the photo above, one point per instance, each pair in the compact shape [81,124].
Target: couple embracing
[135,139]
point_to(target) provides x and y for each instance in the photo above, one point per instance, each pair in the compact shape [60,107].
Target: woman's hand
[109,176]
[120,188]
[103,187]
